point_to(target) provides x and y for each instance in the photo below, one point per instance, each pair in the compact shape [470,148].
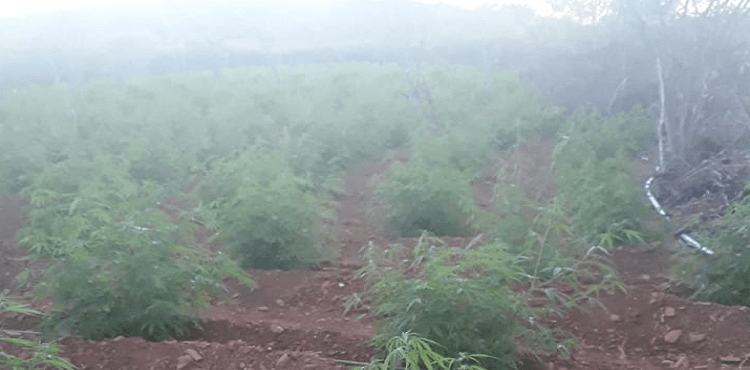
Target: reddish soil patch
[296,319]
[648,327]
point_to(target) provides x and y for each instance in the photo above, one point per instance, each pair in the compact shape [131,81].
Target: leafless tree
[699,50]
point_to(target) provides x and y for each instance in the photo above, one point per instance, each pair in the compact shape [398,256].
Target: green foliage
[477,114]
[538,231]
[72,199]
[41,355]
[420,196]
[594,180]
[266,217]
[118,265]
[722,277]
[135,274]
[462,299]
[410,351]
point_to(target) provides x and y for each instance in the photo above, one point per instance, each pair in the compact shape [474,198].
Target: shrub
[597,187]
[421,197]
[118,265]
[138,274]
[41,355]
[460,298]
[476,299]
[270,219]
[72,199]
[533,227]
[722,277]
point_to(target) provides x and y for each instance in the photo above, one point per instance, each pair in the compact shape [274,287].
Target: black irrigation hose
[683,237]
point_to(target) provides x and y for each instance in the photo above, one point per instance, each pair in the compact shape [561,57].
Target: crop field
[340,216]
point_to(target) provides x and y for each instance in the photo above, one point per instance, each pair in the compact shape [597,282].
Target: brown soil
[296,319]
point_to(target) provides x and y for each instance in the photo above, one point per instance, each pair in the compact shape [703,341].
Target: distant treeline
[76,46]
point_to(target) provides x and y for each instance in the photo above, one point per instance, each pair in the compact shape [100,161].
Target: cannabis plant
[422,197]
[460,298]
[722,277]
[40,355]
[595,183]
[139,274]
[268,218]
[410,351]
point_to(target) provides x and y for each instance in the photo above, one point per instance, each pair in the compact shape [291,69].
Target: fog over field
[359,174]
[685,62]
[137,38]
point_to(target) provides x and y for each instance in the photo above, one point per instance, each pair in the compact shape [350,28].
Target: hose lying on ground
[683,237]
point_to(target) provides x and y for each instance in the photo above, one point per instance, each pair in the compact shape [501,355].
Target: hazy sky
[21,7]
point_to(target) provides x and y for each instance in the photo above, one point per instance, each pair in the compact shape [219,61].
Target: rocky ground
[297,319]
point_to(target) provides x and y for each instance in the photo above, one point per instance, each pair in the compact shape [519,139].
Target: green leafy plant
[462,299]
[71,199]
[722,277]
[422,197]
[269,220]
[595,183]
[410,351]
[139,274]
[40,355]
[117,264]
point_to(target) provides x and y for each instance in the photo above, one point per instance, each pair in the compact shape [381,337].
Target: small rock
[283,361]
[263,308]
[183,361]
[673,336]
[118,338]
[682,362]
[669,311]
[280,303]
[730,359]
[277,329]
[193,354]
[614,318]
[696,337]
[645,277]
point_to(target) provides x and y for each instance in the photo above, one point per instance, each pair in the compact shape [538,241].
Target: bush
[722,277]
[72,199]
[137,275]
[421,197]
[460,298]
[269,219]
[595,183]
[118,266]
